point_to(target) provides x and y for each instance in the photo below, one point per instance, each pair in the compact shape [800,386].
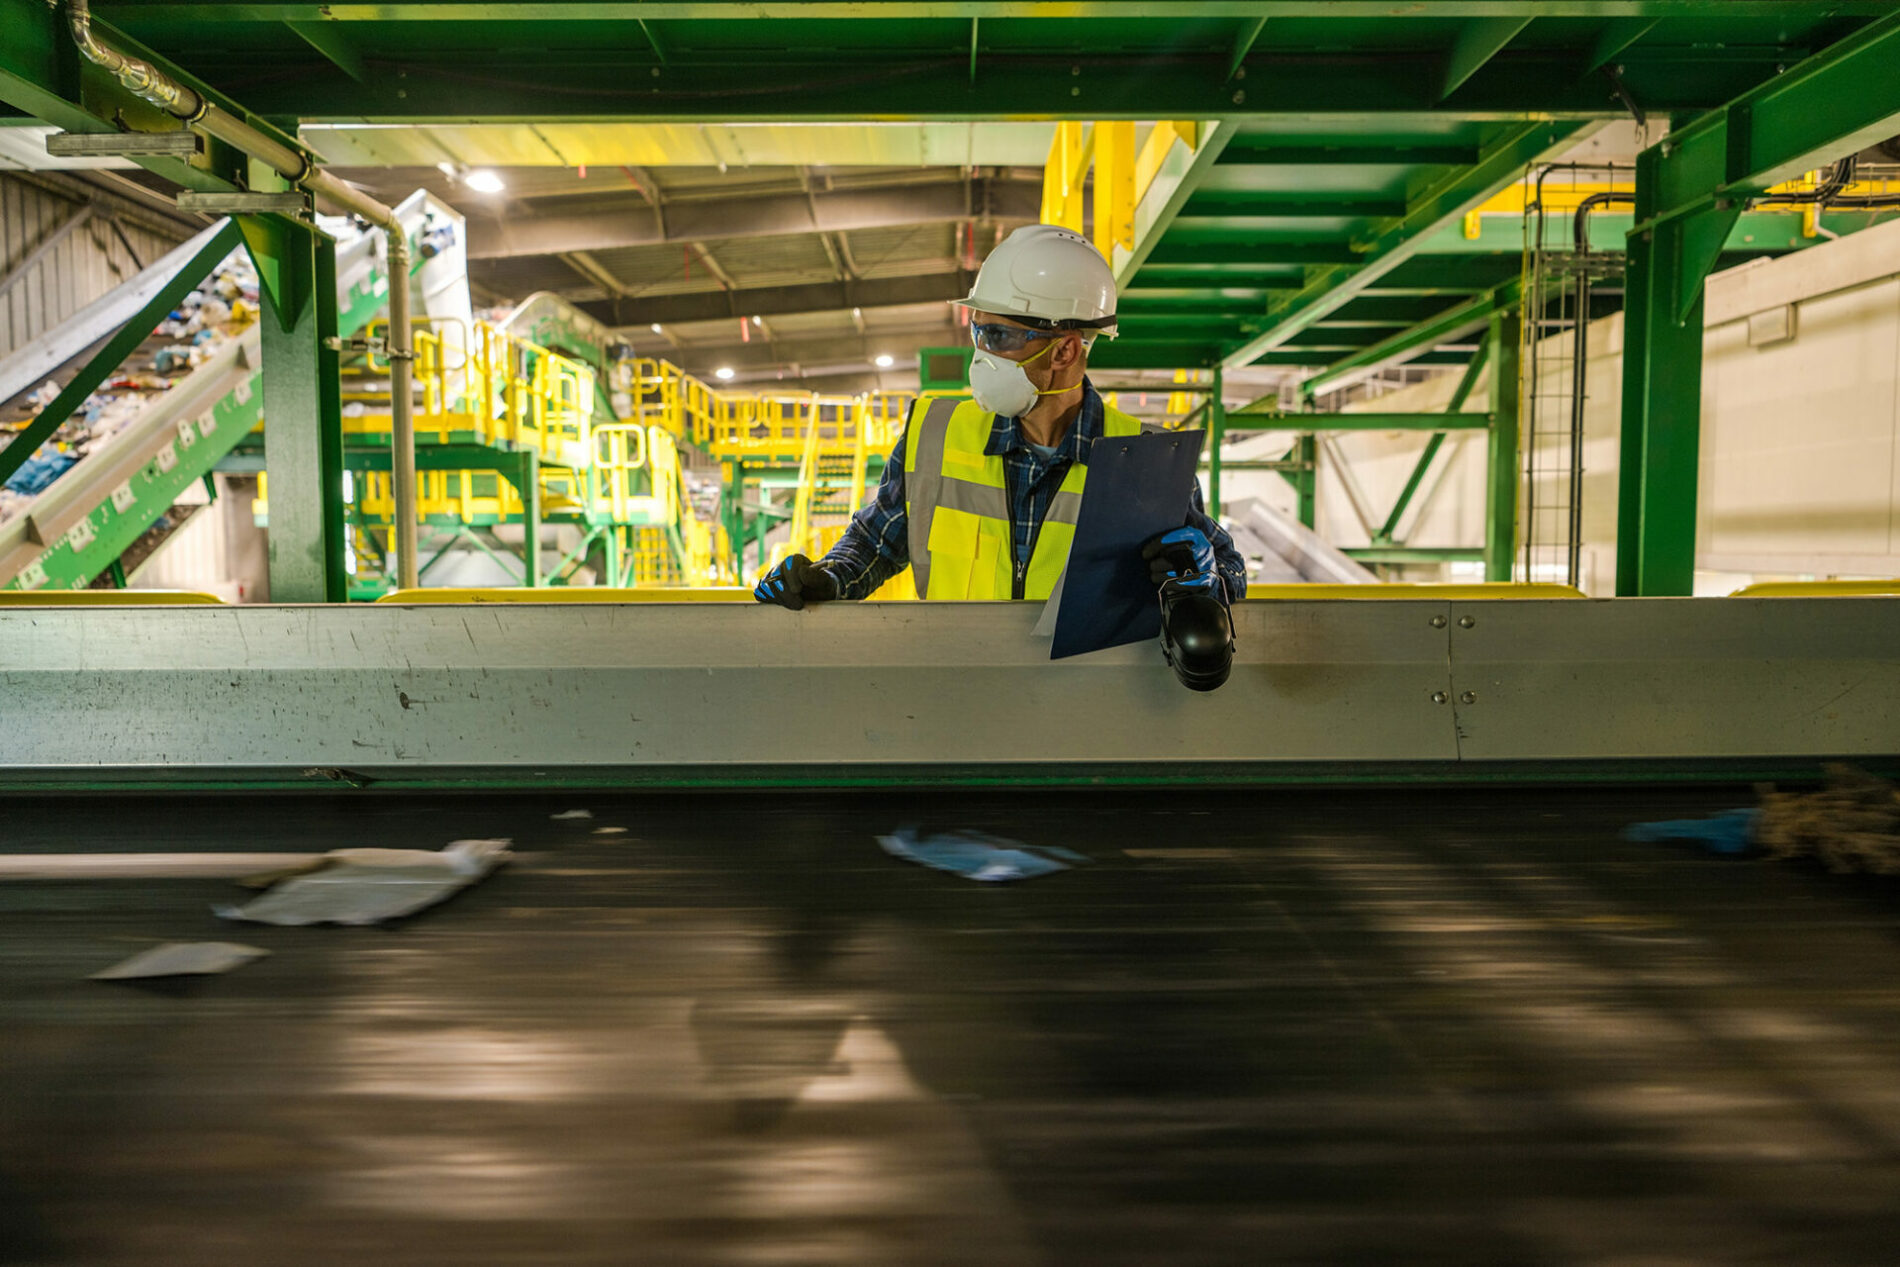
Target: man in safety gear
[980,496]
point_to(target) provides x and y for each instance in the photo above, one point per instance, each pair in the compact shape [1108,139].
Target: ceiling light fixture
[656,328]
[484,181]
[723,373]
[447,169]
[885,360]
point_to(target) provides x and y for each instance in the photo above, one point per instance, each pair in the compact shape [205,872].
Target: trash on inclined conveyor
[572,815]
[978,856]
[182,959]
[368,886]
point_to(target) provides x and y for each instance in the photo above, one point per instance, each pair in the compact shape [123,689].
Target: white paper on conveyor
[182,959]
[369,886]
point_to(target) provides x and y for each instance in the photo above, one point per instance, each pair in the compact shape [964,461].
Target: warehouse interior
[418,838]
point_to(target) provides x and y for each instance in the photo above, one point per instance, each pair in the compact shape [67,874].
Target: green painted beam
[1442,328]
[327,39]
[1241,420]
[1395,241]
[1387,533]
[598,77]
[1478,41]
[1501,473]
[1835,103]
[1243,44]
[1346,151]
[1245,204]
[608,11]
[1230,253]
[1615,37]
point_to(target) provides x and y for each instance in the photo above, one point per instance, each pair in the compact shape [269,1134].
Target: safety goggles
[996,337]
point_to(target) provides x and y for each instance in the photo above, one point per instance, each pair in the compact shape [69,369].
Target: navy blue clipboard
[1138,486]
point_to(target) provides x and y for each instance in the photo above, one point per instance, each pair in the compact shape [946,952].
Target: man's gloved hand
[1184,555]
[795,582]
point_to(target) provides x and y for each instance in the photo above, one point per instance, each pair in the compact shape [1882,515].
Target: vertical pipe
[402,431]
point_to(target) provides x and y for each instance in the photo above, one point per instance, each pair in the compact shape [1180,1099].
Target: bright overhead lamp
[656,328]
[723,373]
[446,168]
[885,360]
[484,182]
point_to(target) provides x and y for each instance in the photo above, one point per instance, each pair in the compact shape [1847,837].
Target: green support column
[1216,432]
[1307,481]
[528,484]
[303,410]
[1500,532]
[1662,390]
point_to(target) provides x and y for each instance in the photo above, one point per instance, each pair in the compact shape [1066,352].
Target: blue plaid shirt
[876,545]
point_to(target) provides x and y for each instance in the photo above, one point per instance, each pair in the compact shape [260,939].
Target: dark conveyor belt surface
[1359,1027]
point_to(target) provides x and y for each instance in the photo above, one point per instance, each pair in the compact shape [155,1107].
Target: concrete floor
[1358,1028]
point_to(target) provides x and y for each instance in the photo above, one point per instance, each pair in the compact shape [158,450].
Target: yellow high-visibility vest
[957,501]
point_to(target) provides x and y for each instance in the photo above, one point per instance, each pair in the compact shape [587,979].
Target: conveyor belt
[1382,1027]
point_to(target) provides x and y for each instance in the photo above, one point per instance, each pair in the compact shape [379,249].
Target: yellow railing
[1121,175]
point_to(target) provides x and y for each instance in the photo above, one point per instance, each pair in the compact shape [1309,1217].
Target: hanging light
[885,360]
[723,373]
[483,181]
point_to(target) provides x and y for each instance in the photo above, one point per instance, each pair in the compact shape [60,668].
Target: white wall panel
[84,265]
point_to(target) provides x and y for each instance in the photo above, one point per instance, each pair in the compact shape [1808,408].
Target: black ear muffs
[1197,636]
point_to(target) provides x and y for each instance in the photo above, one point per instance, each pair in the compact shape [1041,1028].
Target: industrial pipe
[151,84]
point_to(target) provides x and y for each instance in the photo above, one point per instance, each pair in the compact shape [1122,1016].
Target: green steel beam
[608,11]
[1243,44]
[595,81]
[329,40]
[1477,43]
[1346,151]
[1397,240]
[1248,204]
[1454,321]
[1387,533]
[1500,537]
[1179,249]
[43,75]
[1216,433]
[303,412]
[1242,420]
[1837,102]
[1614,38]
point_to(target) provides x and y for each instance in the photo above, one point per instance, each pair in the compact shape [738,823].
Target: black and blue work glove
[1197,631]
[795,582]
[1186,556]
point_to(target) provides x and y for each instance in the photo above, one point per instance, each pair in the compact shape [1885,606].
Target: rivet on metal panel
[1438,622]
[1439,697]
[1466,622]
[1469,697]
[1240,97]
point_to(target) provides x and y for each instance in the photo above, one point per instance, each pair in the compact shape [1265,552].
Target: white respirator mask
[1002,386]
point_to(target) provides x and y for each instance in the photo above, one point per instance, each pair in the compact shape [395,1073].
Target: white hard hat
[1044,273]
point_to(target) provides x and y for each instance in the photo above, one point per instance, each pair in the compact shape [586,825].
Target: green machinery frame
[1316,227]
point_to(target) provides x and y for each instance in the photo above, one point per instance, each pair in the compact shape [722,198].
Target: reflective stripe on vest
[957,502]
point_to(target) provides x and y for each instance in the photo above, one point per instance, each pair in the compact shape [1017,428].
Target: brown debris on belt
[1851,825]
